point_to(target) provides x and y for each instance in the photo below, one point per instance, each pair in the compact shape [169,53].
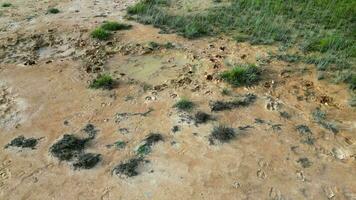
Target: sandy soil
[47,62]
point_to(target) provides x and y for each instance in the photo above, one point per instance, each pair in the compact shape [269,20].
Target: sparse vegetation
[22,142]
[53,11]
[319,116]
[244,100]
[225,92]
[115,26]
[306,133]
[104,81]
[184,104]
[100,34]
[243,75]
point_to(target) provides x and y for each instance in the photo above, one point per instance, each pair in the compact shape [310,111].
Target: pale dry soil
[47,62]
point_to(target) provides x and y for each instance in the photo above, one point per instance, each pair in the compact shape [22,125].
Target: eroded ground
[48,61]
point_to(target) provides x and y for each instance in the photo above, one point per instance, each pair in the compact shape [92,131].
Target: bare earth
[47,62]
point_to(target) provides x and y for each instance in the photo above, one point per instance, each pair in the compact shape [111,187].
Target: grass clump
[241,101]
[68,147]
[53,11]
[222,133]
[104,81]
[115,26]
[201,117]
[6,5]
[128,168]
[22,142]
[304,162]
[120,144]
[100,34]
[184,104]
[87,161]
[244,75]
[147,143]
[319,116]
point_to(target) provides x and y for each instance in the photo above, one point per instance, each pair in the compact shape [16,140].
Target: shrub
[201,117]
[244,75]
[53,11]
[100,34]
[304,162]
[22,142]
[128,168]
[222,133]
[6,5]
[319,116]
[68,147]
[244,100]
[120,144]
[148,142]
[184,104]
[87,161]
[104,81]
[115,26]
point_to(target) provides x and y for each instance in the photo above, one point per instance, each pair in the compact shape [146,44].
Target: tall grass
[322,29]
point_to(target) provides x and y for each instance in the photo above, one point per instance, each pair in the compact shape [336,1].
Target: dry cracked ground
[142,147]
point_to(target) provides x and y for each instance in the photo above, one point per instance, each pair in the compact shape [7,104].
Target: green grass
[103,82]
[184,104]
[323,30]
[115,26]
[6,5]
[244,75]
[53,11]
[100,34]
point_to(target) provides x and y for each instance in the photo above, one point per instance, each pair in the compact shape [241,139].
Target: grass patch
[244,75]
[53,11]
[6,5]
[321,28]
[184,105]
[22,142]
[104,81]
[222,133]
[115,26]
[100,34]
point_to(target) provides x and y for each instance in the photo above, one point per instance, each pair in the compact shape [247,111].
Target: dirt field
[47,62]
